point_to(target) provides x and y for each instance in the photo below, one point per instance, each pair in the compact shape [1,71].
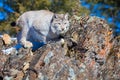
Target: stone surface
[88,51]
[6,39]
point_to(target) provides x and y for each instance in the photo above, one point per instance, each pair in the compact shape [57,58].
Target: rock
[6,39]
[89,51]
[3,59]
[26,66]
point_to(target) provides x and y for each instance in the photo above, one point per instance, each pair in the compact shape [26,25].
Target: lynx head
[60,23]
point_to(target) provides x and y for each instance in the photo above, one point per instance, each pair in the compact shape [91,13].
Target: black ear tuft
[13,24]
[1,78]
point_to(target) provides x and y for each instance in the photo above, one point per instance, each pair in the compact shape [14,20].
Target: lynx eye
[65,23]
[58,23]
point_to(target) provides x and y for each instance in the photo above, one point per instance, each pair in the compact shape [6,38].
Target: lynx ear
[66,16]
[55,16]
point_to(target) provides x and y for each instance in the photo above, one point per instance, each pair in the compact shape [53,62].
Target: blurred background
[109,10]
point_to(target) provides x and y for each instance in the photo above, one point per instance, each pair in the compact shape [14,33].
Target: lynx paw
[62,41]
[28,44]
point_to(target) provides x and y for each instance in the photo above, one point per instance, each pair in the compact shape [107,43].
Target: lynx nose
[62,29]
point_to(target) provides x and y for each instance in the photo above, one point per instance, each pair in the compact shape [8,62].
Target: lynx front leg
[25,43]
[23,39]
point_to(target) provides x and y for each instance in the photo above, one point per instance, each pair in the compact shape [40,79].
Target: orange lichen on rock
[118,55]
[92,63]
[108,44]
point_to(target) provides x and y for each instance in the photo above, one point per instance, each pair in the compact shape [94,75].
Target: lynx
[41,26]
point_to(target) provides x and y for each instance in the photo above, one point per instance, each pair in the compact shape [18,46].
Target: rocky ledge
[88,51]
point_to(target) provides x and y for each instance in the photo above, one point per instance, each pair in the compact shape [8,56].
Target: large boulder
[88,51]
